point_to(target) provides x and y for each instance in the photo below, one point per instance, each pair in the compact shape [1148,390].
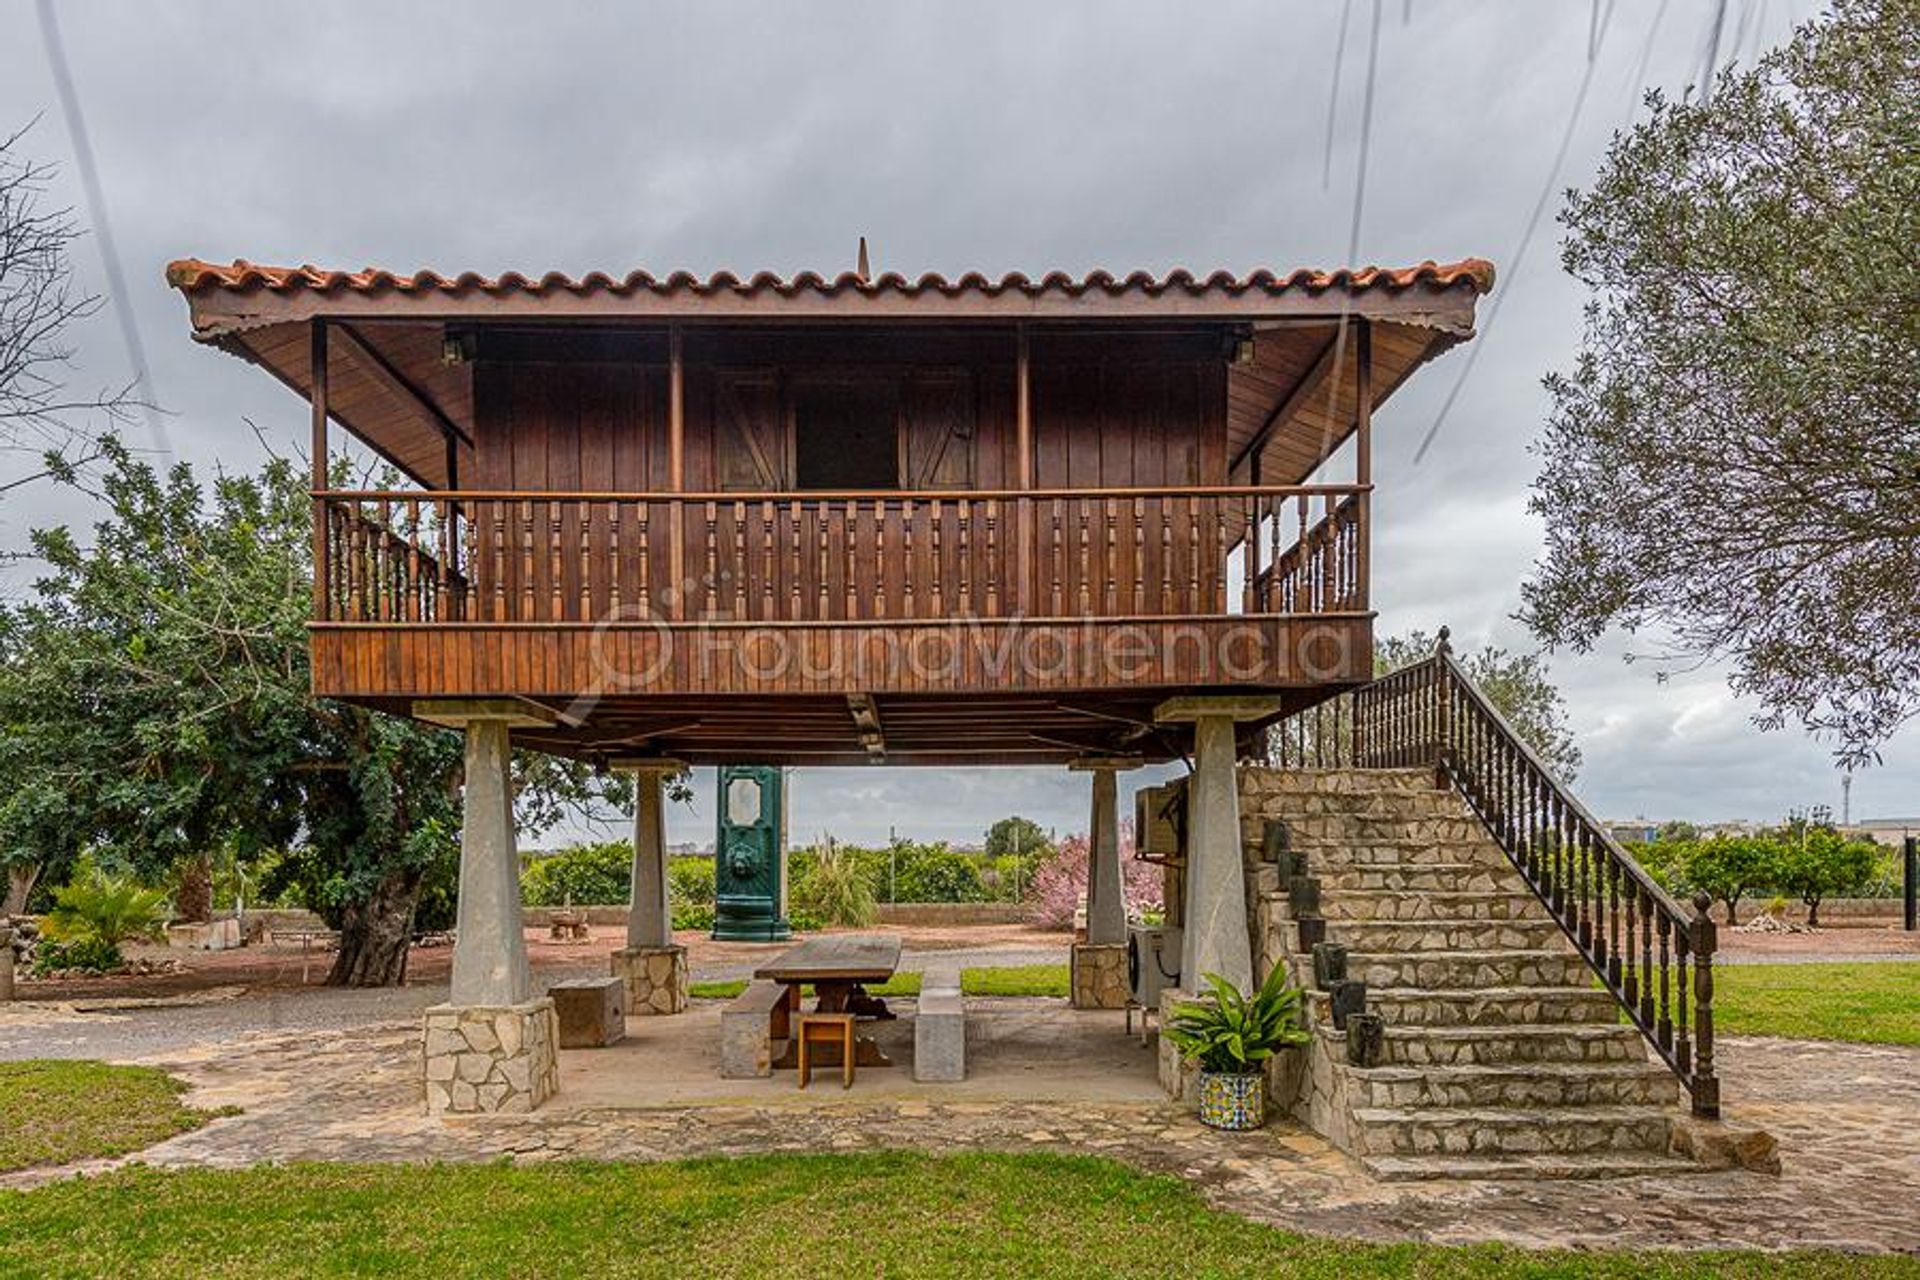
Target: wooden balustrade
[583,558]
[1654,955]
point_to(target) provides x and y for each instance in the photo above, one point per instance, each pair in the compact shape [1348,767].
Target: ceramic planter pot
[1231,1100]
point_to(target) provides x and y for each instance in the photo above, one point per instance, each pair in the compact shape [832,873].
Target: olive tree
[1732,463]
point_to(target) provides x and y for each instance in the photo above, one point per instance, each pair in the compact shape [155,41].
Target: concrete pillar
[490,948]
[494,1046]
[650,919]
[652,970]
[1215,938]
[1106,896]
[1099,965]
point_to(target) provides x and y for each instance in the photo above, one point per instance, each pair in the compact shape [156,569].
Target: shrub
[109,909]
[690,892]
[935,873]
[1060,882]
[598,874]
[832,889]
[89,955]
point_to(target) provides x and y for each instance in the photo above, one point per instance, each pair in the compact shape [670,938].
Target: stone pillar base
[491,1058]
[656,979]
[1099,971]
[1179,1076]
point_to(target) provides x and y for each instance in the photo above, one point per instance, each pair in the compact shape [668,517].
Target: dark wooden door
[937,421]
[751,449]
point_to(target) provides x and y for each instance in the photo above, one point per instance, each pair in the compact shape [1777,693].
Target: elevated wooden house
[1083,521]
[812,521]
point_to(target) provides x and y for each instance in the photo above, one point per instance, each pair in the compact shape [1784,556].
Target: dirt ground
[1840,942]
[286,968]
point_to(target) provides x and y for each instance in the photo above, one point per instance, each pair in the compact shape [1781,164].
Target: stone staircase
[1500,1056]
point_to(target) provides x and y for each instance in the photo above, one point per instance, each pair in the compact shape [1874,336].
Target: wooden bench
[940,1026]
[750,1024]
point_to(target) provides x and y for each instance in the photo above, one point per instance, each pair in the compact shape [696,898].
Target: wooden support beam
[317,378]
[866,720]
[1323,365]
[1363,460]
[676,410]
[1023,404]
[391,381]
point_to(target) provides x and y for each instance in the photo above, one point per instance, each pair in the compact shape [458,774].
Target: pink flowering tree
[1060,882]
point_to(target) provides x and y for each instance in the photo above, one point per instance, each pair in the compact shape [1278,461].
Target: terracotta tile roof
[194,276]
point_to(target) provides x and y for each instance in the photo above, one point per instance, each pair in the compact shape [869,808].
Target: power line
[102,227]
[1359,211]
[1512,266]
[1333,98]
[1713,51]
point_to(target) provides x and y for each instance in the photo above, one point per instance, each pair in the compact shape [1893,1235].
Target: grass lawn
[1877,1003]
[1014,980]
[57,1112]
[888,1214]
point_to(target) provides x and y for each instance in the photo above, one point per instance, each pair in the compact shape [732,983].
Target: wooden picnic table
[835,965]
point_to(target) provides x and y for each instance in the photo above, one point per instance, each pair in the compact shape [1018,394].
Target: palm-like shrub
[105,909]
[1235,1034]
[834,889]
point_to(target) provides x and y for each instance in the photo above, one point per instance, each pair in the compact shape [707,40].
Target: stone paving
[1846,1116]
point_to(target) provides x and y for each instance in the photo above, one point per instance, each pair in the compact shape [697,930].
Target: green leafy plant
[1234,1034]
[87,955]
[109,909]
[598,874]
[834,889]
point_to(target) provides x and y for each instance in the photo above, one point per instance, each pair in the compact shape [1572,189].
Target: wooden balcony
[630,598]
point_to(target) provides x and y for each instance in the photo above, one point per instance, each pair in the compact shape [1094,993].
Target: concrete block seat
[592,1011]
[750,1024]
[940,1027]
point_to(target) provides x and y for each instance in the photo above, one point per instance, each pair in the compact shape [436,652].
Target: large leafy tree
[155,697]
[1733,462]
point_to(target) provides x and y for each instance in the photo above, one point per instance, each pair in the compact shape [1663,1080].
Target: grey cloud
[957,136]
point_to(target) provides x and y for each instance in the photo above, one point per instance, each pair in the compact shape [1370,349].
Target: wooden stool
[827,1028]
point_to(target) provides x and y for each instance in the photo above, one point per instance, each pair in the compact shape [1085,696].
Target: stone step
[1385,970]
[1401,905]
[1279,782]
[1446,935]
[1591,1164]
[1398,851]
[1432,1046]
[1490,1009]
[1294,809]
[1525,1085]
[1437,877]
[1357,829]
[1480,1131]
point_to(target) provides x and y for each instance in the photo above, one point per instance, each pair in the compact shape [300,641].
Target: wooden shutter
[750,450]
[936,411]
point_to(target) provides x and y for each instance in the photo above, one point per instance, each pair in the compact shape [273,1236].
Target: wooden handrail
[1432,715]
[787,557]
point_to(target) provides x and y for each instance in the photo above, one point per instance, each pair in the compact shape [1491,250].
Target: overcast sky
[991,136]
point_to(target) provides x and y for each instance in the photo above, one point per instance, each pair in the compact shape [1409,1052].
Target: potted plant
[1232,1037]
